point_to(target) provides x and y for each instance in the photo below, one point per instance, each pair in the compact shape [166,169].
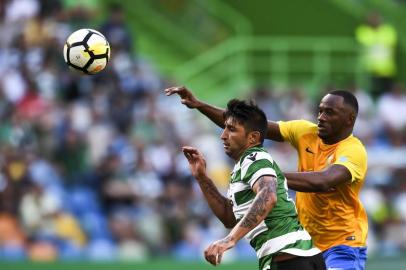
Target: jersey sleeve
[291,130]
[354,158]
[256,165]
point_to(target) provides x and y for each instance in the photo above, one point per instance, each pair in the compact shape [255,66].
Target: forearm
[273,132]
[220,205]
[261,206]
[307,181]
[319,181]
[215,114]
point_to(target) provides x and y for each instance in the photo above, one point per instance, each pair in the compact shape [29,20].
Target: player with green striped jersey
[258,206]
[280,231]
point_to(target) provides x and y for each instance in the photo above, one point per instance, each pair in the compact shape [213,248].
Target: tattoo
[211,190]
[260,205]
[273,184]
[226,240]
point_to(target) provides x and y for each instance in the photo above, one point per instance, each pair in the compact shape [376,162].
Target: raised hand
[196,161]
[187,98]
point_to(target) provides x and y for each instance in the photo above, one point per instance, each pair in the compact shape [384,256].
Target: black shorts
[315,262]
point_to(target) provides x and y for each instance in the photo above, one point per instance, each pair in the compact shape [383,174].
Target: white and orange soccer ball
[87,51]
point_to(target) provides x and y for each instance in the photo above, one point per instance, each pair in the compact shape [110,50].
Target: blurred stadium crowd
[91,167]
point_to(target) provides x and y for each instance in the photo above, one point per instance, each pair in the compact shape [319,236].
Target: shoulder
[297,124]
[362,29]
[254,156]
[352,150]
[352,154]
[256,160]
[352,144]
[256,163]
[292,130]
[388,27]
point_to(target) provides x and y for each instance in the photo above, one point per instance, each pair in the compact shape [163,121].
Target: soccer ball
[87,51]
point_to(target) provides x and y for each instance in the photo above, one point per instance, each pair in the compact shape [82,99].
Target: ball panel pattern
[87,50]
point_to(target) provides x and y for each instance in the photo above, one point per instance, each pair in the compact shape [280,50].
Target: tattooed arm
[265,188]
[220,205]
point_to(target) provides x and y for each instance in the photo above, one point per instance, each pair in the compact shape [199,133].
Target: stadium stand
[91,168]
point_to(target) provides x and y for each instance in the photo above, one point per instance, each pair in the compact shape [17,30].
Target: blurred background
[91,170]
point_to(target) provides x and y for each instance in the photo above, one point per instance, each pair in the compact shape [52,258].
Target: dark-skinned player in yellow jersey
[332,165]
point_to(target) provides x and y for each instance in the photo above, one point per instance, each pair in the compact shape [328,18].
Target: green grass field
[373,264]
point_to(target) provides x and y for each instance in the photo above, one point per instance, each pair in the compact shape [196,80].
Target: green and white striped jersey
[280,231]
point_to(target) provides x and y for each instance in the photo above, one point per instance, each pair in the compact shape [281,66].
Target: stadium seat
[82,200]
[70,252]
[12,253]
[101,250]
[95,225]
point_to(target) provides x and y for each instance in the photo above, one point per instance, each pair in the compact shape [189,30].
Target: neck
[337,139]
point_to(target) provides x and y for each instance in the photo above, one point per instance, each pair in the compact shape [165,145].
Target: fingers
[187,155]
[219,256]
[213,255]
[189,149]
[190,152]
[174,90]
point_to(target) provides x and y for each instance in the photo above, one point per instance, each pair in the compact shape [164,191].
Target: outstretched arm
[214,113]
[265,188]
[220,205]
[273,132]
[321,181]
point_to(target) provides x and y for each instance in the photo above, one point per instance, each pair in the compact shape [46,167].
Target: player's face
[333,118]
[235,138]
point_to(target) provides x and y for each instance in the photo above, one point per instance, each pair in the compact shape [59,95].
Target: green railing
[168,31]
[392,11]
[240,63]
[172,32]
[219,69]
[222,12]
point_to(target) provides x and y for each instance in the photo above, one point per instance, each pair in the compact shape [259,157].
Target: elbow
[274,200]
[322,187]
[323,184]
[229,224]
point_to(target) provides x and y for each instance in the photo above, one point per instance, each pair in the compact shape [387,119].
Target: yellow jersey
[335,217]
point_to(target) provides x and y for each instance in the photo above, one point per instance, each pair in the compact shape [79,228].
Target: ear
[352,118]
[254,137]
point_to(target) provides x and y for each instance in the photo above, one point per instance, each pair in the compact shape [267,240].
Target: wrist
[200,104]
[201,177]
[231,239]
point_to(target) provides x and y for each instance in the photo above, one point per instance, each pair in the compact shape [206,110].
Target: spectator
[378,41]
[116,31]
[392,113]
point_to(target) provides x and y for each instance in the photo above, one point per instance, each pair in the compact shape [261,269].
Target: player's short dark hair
[348,97]
[248,114]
